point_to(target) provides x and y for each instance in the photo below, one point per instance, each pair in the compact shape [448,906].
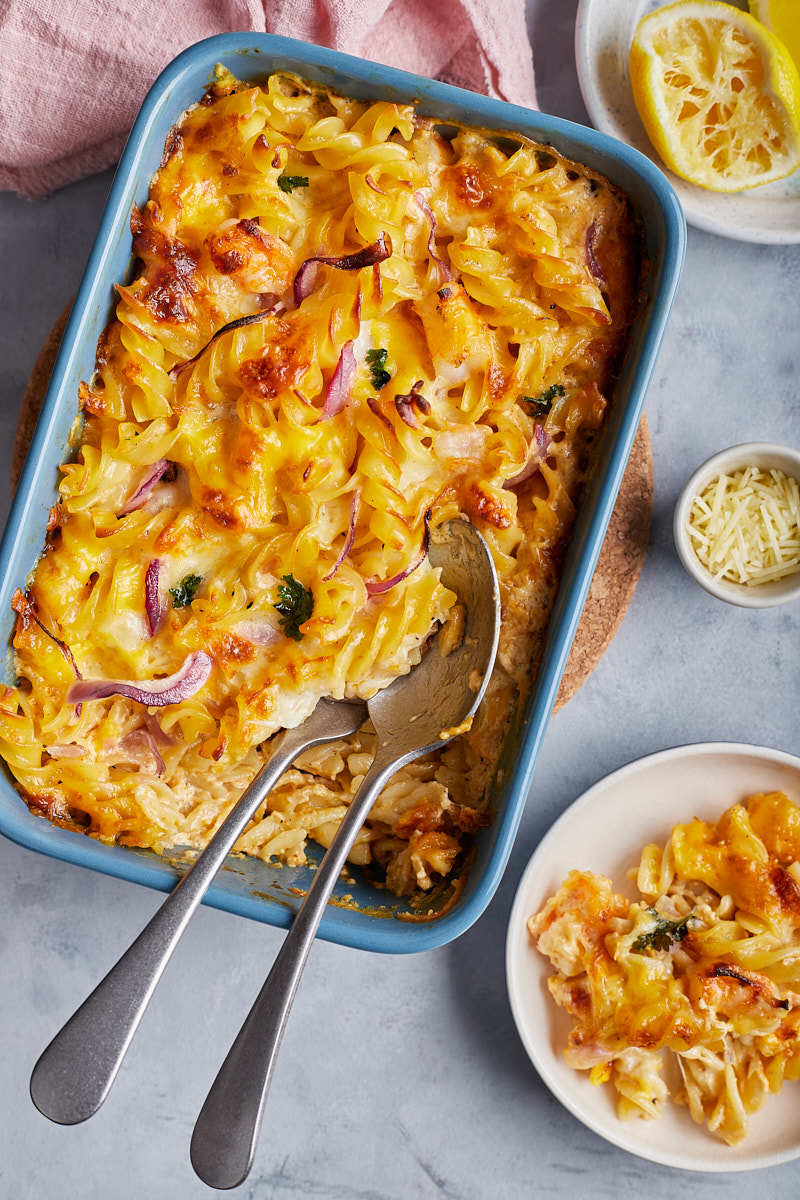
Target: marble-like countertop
[403,1076]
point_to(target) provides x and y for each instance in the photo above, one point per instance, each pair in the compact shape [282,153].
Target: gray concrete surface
[403,1077]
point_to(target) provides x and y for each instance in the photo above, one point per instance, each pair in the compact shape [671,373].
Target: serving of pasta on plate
[703,970]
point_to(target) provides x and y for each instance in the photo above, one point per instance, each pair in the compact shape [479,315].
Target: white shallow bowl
[604,831]
[604,31]
[765,456]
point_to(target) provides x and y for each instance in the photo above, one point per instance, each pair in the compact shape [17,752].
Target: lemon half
[718,93]
[781,17]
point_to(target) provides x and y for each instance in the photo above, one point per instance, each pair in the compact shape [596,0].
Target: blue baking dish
[360,915]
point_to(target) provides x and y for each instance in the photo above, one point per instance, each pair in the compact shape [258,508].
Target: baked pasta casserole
[345,325]
[703,971]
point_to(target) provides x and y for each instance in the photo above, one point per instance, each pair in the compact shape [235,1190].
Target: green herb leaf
[376,361]
[541,405]
[663,933]
[288,183]
[186,590]
[295,603]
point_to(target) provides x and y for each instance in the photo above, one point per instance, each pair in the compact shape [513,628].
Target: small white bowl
[765,456]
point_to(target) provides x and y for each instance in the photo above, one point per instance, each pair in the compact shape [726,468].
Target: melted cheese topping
[704,967]
[745,527]
[244,433]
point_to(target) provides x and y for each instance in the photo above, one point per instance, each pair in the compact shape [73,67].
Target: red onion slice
[351,537]
[594,265]
[406,403]
[159,736]
[66,750]
[23,605]
[372,402]
[239,323]
[338,393]
[63,647]
[141,737]
[375,587]
[443,268]
[155,693]
[146,486]
[154,609]
[536,453]
[305,279]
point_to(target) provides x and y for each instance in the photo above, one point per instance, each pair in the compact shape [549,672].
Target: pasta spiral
[345,329]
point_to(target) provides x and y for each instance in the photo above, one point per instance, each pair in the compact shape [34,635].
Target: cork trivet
[618,567]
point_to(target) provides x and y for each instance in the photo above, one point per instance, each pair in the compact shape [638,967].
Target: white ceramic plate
[604,831]
[603,34]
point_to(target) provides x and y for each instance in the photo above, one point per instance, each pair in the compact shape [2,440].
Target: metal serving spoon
[416,714]
[75,1073]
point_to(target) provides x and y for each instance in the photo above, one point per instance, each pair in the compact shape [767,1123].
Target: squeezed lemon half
[718,93]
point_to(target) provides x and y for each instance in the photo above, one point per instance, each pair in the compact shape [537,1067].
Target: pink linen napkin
[76,71]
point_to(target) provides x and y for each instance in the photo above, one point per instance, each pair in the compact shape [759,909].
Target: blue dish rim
[660,210]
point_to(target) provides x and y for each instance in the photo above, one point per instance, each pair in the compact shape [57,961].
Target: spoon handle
[226,1131]
[75,1072]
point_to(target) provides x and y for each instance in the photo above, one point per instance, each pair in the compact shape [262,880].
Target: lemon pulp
[718,93]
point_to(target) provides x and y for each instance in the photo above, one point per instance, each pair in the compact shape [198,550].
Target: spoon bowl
[406,721]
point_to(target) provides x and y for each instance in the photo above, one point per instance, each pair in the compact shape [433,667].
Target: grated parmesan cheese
[744,527]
